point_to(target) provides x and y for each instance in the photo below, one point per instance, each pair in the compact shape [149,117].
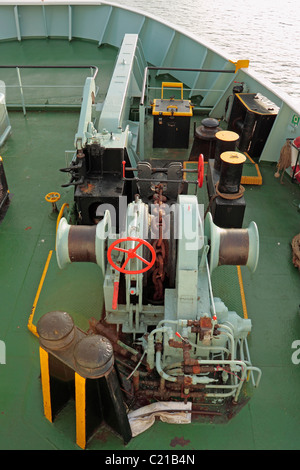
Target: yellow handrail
[171,85]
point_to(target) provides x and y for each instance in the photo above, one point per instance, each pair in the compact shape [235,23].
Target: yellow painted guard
[45,379]
[80,401]
[252,179]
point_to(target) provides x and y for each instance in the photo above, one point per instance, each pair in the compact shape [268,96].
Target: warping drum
[231,172]
[233,246]
[225,141]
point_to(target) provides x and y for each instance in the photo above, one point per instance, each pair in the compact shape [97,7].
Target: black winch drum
[225,141]
[231,172]
[205,139]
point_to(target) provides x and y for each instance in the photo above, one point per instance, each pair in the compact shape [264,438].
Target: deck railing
[40,96]
[147,87]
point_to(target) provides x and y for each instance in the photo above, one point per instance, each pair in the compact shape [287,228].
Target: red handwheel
[131,253]
[200,170]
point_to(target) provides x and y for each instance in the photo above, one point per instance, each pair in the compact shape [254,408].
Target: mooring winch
[171,338]
[158,297]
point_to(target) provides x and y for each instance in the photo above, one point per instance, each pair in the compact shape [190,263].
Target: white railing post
[21,90]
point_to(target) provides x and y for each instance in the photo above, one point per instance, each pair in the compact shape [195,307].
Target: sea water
[266,32]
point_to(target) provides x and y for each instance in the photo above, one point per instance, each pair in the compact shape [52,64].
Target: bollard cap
[210,122]
[232,157]
[56,330]
[93,356]
[227,136]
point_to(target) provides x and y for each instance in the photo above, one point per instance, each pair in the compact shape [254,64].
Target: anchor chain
[159,228]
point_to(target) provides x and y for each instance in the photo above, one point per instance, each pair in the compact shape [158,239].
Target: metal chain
[158,275]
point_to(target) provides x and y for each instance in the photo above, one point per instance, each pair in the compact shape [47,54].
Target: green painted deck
[32,157]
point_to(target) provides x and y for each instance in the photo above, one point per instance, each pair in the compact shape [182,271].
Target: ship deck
[32,157]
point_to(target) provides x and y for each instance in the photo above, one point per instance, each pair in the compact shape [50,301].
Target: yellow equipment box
[171,119]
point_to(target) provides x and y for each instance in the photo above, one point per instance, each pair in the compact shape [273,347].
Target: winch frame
[211,358]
